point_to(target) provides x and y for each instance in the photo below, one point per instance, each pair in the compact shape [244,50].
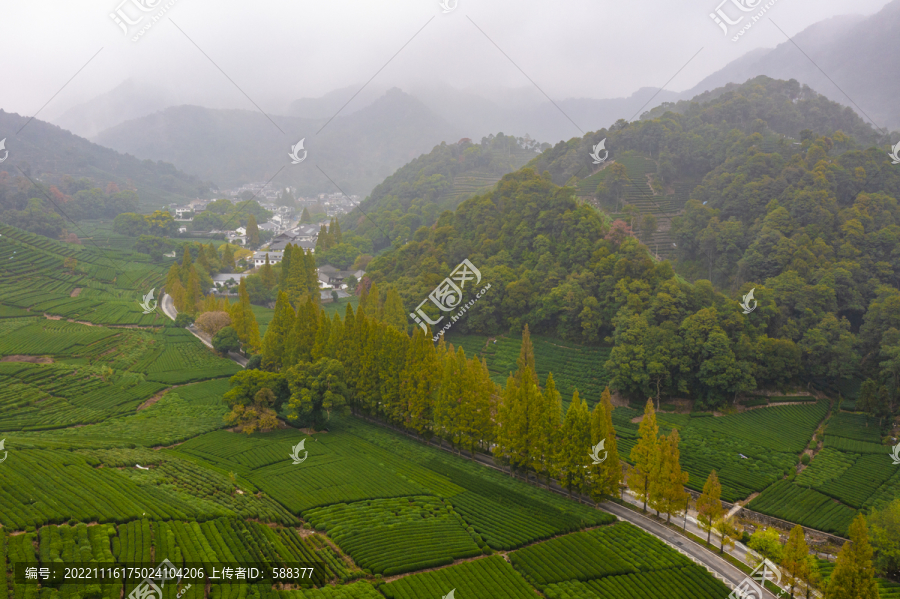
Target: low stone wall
[815,538]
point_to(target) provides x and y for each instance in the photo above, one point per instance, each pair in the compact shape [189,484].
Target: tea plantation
[79,282]
[117,452]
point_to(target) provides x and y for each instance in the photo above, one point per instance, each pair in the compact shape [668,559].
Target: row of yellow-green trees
[368,363]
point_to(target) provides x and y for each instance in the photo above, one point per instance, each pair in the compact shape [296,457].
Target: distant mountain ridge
[843,48]
[231,147]
[47,152]
[129,100]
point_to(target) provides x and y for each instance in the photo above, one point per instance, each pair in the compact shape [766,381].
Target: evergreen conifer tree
[393,310]
[193,295]
[667,493]
[286,257]
[252,232]
[312,274]
[709,504]
[203,260]
[644,455]
[575,440]
[608,474]
[172,276]
[394,349]
[228,258]
[186,263]
[323,240]
[853,576]
[323,334]
[373,301]
[275,340]
[546,414]
[267,274]
[297,287]
[795,560]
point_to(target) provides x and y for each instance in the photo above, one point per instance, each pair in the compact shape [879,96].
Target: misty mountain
[843,47]
[346,99]
[47,153]
[129,100]
[231,147]
[479,114]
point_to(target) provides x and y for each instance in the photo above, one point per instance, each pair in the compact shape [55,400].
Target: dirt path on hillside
[156,397]
[29,359]
[94,324]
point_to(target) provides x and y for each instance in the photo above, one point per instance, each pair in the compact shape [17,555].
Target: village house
[275,256]
[329,276]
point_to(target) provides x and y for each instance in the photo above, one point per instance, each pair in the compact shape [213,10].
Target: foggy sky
[279,50]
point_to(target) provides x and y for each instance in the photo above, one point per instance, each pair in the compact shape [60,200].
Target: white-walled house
[275,256]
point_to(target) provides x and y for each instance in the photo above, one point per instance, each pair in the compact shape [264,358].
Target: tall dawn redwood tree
[544,430]
[608,474]
[709,504]
[853,576]
[667,494]
[574,445]
[273,347]
[645,455]
[252,232]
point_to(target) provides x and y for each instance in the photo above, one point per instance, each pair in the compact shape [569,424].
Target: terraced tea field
[118,453]
[102,287]
[794,503]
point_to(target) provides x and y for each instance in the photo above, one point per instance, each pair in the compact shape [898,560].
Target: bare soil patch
[158,447]
[156,397]
[29,359]
[75,292]
[616,399]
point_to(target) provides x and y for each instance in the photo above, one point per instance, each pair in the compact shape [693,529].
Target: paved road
[719,567]
[168,308]
[740,551]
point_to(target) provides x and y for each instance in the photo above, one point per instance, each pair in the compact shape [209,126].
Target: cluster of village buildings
[286,229]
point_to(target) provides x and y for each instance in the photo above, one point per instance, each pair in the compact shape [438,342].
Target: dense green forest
[417,193]
[808,224]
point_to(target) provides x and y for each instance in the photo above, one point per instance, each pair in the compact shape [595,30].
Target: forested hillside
[418,192]
[53,156]
[809,224]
